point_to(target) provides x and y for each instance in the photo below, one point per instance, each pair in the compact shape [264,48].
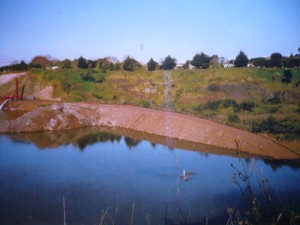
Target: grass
[262,204]
[205,93]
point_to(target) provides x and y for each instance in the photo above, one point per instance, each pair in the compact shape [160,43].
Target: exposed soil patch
[238,91]
[46,94]
[65,116]
[5,78]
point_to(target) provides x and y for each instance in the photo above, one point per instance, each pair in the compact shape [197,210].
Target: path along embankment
[64,116]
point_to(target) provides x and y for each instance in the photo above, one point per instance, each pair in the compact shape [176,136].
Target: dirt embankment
[64,116]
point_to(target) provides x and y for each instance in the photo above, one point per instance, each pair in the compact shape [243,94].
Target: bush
[130,64]
[229,102]
[88,77]
[247,106]
[273,110]
[269,126]
[234,118]
[214,105]
[289,128]
[287,76]
[66,85]
[275,101]
[169,63]
[199,108]
[145,104]
[82,64]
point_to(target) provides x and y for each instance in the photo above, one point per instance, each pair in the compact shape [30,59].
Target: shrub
[214,105]
[88,77]
[274,101]
[247,105]
[273,110]
[130,64]
[146,104]
[286,130]
[229,102]
[199,108]
[234,118]
[287,76]
[66,85]
[82,64]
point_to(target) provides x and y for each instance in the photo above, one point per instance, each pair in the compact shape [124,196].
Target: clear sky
[147,28]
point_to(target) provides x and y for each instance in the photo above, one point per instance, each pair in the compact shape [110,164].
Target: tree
[151,65]
[40,62]
[186,65]
[22,66]
[66,64]
[91,64]
[117,66]
[260,62]
[287,76]
[111,66]
[18,66]
[215,62]
[241,60]
[130,64]
[276,60]
[82,64]
[201,61]
[103,64]
[169,63]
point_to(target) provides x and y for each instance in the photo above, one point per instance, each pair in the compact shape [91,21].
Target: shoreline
[66,116]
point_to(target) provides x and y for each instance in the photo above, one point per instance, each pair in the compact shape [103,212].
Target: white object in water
[185,177]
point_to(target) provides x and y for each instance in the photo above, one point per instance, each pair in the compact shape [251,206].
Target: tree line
[199,61]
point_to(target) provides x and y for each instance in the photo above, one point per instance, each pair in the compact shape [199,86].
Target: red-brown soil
[64,116]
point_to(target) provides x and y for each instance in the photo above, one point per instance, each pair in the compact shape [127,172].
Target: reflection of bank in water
[83,137]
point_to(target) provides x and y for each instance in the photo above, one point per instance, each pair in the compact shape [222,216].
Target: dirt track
[64,116]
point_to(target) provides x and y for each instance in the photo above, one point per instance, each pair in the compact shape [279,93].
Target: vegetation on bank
[263,100]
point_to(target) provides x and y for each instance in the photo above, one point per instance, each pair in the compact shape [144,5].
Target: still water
[133,180]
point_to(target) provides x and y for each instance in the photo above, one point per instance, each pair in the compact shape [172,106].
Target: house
[228,65]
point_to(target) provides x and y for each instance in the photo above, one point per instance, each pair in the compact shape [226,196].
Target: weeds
[261,207]
[198,92]
[285,129]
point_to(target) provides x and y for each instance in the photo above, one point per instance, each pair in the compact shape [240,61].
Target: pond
[102,176]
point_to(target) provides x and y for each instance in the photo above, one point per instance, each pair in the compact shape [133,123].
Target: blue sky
[144,29]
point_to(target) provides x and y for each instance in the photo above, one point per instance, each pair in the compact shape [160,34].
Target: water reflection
[131,142]
[84,137]
[90,135]
[278,164]
[94,138]
[94,170]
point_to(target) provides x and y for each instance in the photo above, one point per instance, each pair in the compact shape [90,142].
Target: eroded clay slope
[64,116]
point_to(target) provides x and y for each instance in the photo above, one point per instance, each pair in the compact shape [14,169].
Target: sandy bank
[64,116]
